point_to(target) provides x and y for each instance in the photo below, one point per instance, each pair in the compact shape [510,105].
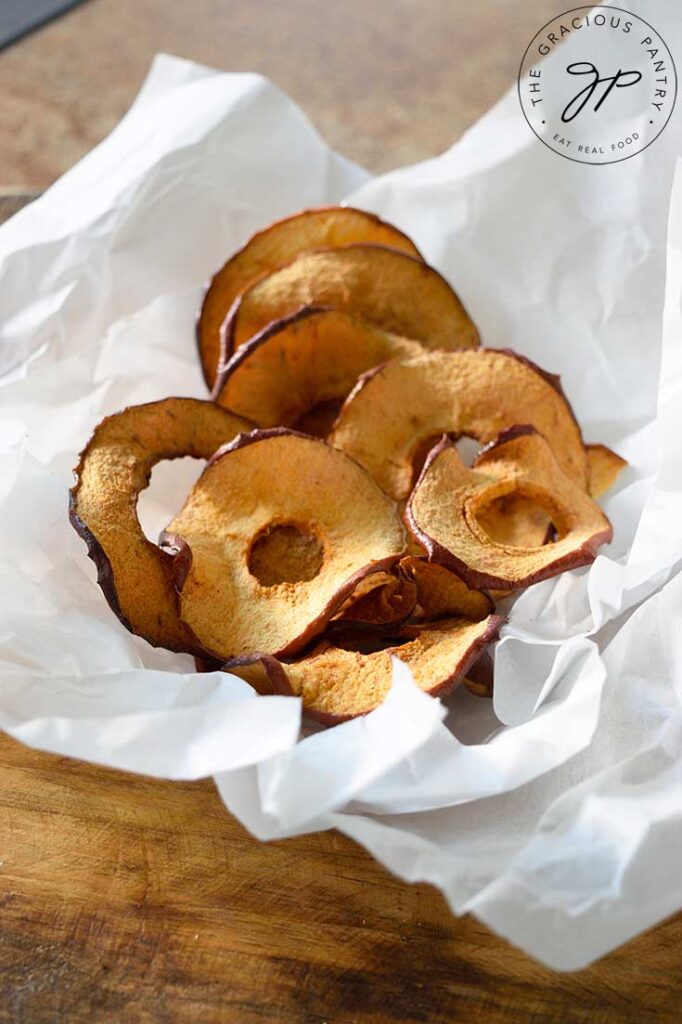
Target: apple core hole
[170,482]
[515,520]
[467,448]
[285,553]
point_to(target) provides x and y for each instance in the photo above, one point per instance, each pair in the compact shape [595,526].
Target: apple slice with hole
[308,361]
[386,288]
[396,408]
[277,532]
[337,683]
[116,464]
[275,245]
[444,508]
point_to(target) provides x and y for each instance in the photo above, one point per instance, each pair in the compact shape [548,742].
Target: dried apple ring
[480,678]
[394,408]
[443,594]
[305,361]
[281,242]
[417,589]
[258,670]
[336,683]
[276,533]
[377,606]
[603,466]
[384,287]
[134,574]
[444,508]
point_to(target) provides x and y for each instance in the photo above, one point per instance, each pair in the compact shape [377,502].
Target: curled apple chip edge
[272,247]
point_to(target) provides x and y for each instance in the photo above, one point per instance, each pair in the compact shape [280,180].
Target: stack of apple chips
[337,522]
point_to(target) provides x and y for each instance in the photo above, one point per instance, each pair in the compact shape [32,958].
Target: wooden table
[130,900]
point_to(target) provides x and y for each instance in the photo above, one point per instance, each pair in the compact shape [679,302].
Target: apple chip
[276,245]
[259,671]
[603,468]
[443,594]
[311,359]
[516,520]
[134,574]
[480,677]
[277,532]
[336,683]
[444,509]
[382,601]
[417,589]
[386,288]
[395,408]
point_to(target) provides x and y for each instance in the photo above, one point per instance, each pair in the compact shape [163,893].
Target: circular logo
[597,84]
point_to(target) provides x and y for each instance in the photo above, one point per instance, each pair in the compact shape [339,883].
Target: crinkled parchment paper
[555,816]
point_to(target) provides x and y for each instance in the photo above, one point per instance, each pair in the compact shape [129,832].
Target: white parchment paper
[554,815]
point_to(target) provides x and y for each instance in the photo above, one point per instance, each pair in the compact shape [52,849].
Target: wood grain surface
[131,900]
[387,82]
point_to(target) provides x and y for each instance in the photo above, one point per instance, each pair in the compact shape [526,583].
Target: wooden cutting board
[130,900]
